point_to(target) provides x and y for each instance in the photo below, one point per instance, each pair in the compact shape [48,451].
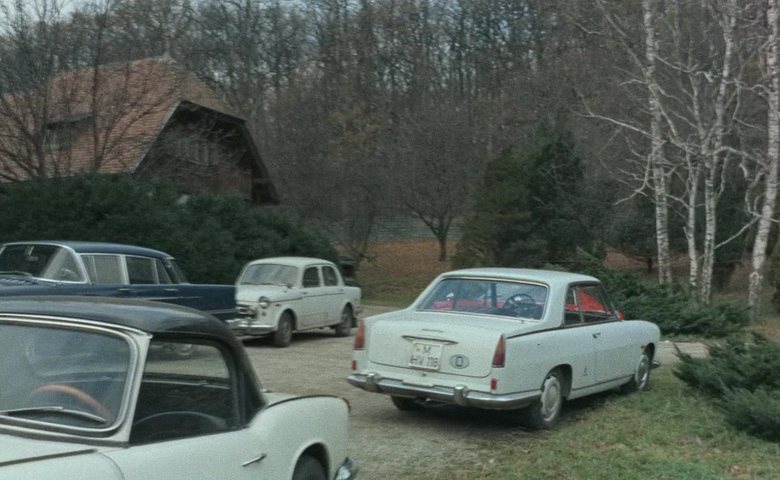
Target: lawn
[668,432]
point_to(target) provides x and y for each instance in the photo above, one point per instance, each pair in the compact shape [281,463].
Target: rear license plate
[426,356]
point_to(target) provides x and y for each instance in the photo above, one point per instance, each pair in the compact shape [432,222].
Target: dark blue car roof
[100,247]
[153,317]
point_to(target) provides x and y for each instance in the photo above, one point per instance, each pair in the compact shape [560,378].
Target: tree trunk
[773,150]
[708,254]
[442,248]
[660,187]
[690,232]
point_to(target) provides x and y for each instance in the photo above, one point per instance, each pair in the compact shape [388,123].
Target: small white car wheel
[283,333]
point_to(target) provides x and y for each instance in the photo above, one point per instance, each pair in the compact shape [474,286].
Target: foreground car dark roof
[99,247]
[151,317]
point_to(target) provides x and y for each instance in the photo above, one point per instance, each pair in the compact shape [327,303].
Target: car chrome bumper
[347,471]
[247,326]
[458,395]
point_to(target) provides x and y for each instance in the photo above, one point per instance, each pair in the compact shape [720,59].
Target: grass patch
[669,432]
[398,271]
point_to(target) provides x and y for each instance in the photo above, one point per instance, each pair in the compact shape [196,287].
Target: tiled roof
[131,104]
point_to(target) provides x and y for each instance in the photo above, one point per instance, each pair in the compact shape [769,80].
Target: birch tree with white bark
[769,168]
[649,171]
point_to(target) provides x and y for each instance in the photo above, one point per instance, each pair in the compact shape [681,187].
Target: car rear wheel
[641,378]
[344,328]
[544,413]
[405,404]
[283,333]
[308,468]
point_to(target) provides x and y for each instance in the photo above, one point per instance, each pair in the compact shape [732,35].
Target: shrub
[212,236]
[668,306]
[741,376]
[736,364]
[756,412]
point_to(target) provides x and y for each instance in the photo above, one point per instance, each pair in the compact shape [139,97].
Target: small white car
[89,392]
[281,295]
[505,339]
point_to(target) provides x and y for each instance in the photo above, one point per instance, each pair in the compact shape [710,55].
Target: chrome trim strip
[413,338]
[458,395]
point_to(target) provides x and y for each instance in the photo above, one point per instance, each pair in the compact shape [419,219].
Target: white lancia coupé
[88,392]
[281,295]
[505,339]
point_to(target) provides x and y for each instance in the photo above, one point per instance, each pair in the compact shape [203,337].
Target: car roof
[293,261]
[525,274]
[152,317]
[99,247]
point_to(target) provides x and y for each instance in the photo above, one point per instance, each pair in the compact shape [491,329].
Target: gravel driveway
[385,442]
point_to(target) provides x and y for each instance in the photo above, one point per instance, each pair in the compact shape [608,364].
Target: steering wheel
[76,393]
[68,274]
[175,424]
[519,300]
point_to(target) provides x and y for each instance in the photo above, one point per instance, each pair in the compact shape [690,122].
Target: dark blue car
[106,270]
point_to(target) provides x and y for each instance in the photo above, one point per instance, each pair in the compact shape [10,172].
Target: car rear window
[487,296]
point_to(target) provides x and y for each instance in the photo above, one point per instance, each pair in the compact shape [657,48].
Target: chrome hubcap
[551,398]
[643,371]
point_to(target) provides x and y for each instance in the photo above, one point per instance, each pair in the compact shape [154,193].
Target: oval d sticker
[459,361]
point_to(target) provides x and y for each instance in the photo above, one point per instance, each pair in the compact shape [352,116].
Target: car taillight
[360,338]
[499,355]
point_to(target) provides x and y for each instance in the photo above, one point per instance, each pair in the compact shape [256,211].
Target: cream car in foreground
[281,295]
[88,391]
[507,339]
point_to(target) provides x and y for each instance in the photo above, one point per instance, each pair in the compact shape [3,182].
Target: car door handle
[597,335]
[257,459]
[124,291]
[171,290]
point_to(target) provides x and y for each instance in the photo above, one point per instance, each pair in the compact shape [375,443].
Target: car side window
[104,269]
[186,390]
[311,277]
[593,304]
[141,270]
[330,277]
[571,315]
[162,273]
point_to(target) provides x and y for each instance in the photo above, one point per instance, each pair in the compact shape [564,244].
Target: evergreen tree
[532,209]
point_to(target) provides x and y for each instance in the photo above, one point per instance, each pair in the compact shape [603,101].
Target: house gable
[110,119]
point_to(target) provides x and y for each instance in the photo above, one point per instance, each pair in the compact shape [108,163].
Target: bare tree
[770,169]
[437,167]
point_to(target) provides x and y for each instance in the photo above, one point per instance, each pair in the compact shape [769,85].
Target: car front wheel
[308,468]
[283,333]
[544,413]
[641,378]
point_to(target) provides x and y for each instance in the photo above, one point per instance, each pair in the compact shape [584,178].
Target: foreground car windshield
[49,262]
[269,274]
[61,377]
[485,296]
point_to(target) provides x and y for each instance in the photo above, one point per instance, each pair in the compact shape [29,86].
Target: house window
[195,149]
[60,135]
